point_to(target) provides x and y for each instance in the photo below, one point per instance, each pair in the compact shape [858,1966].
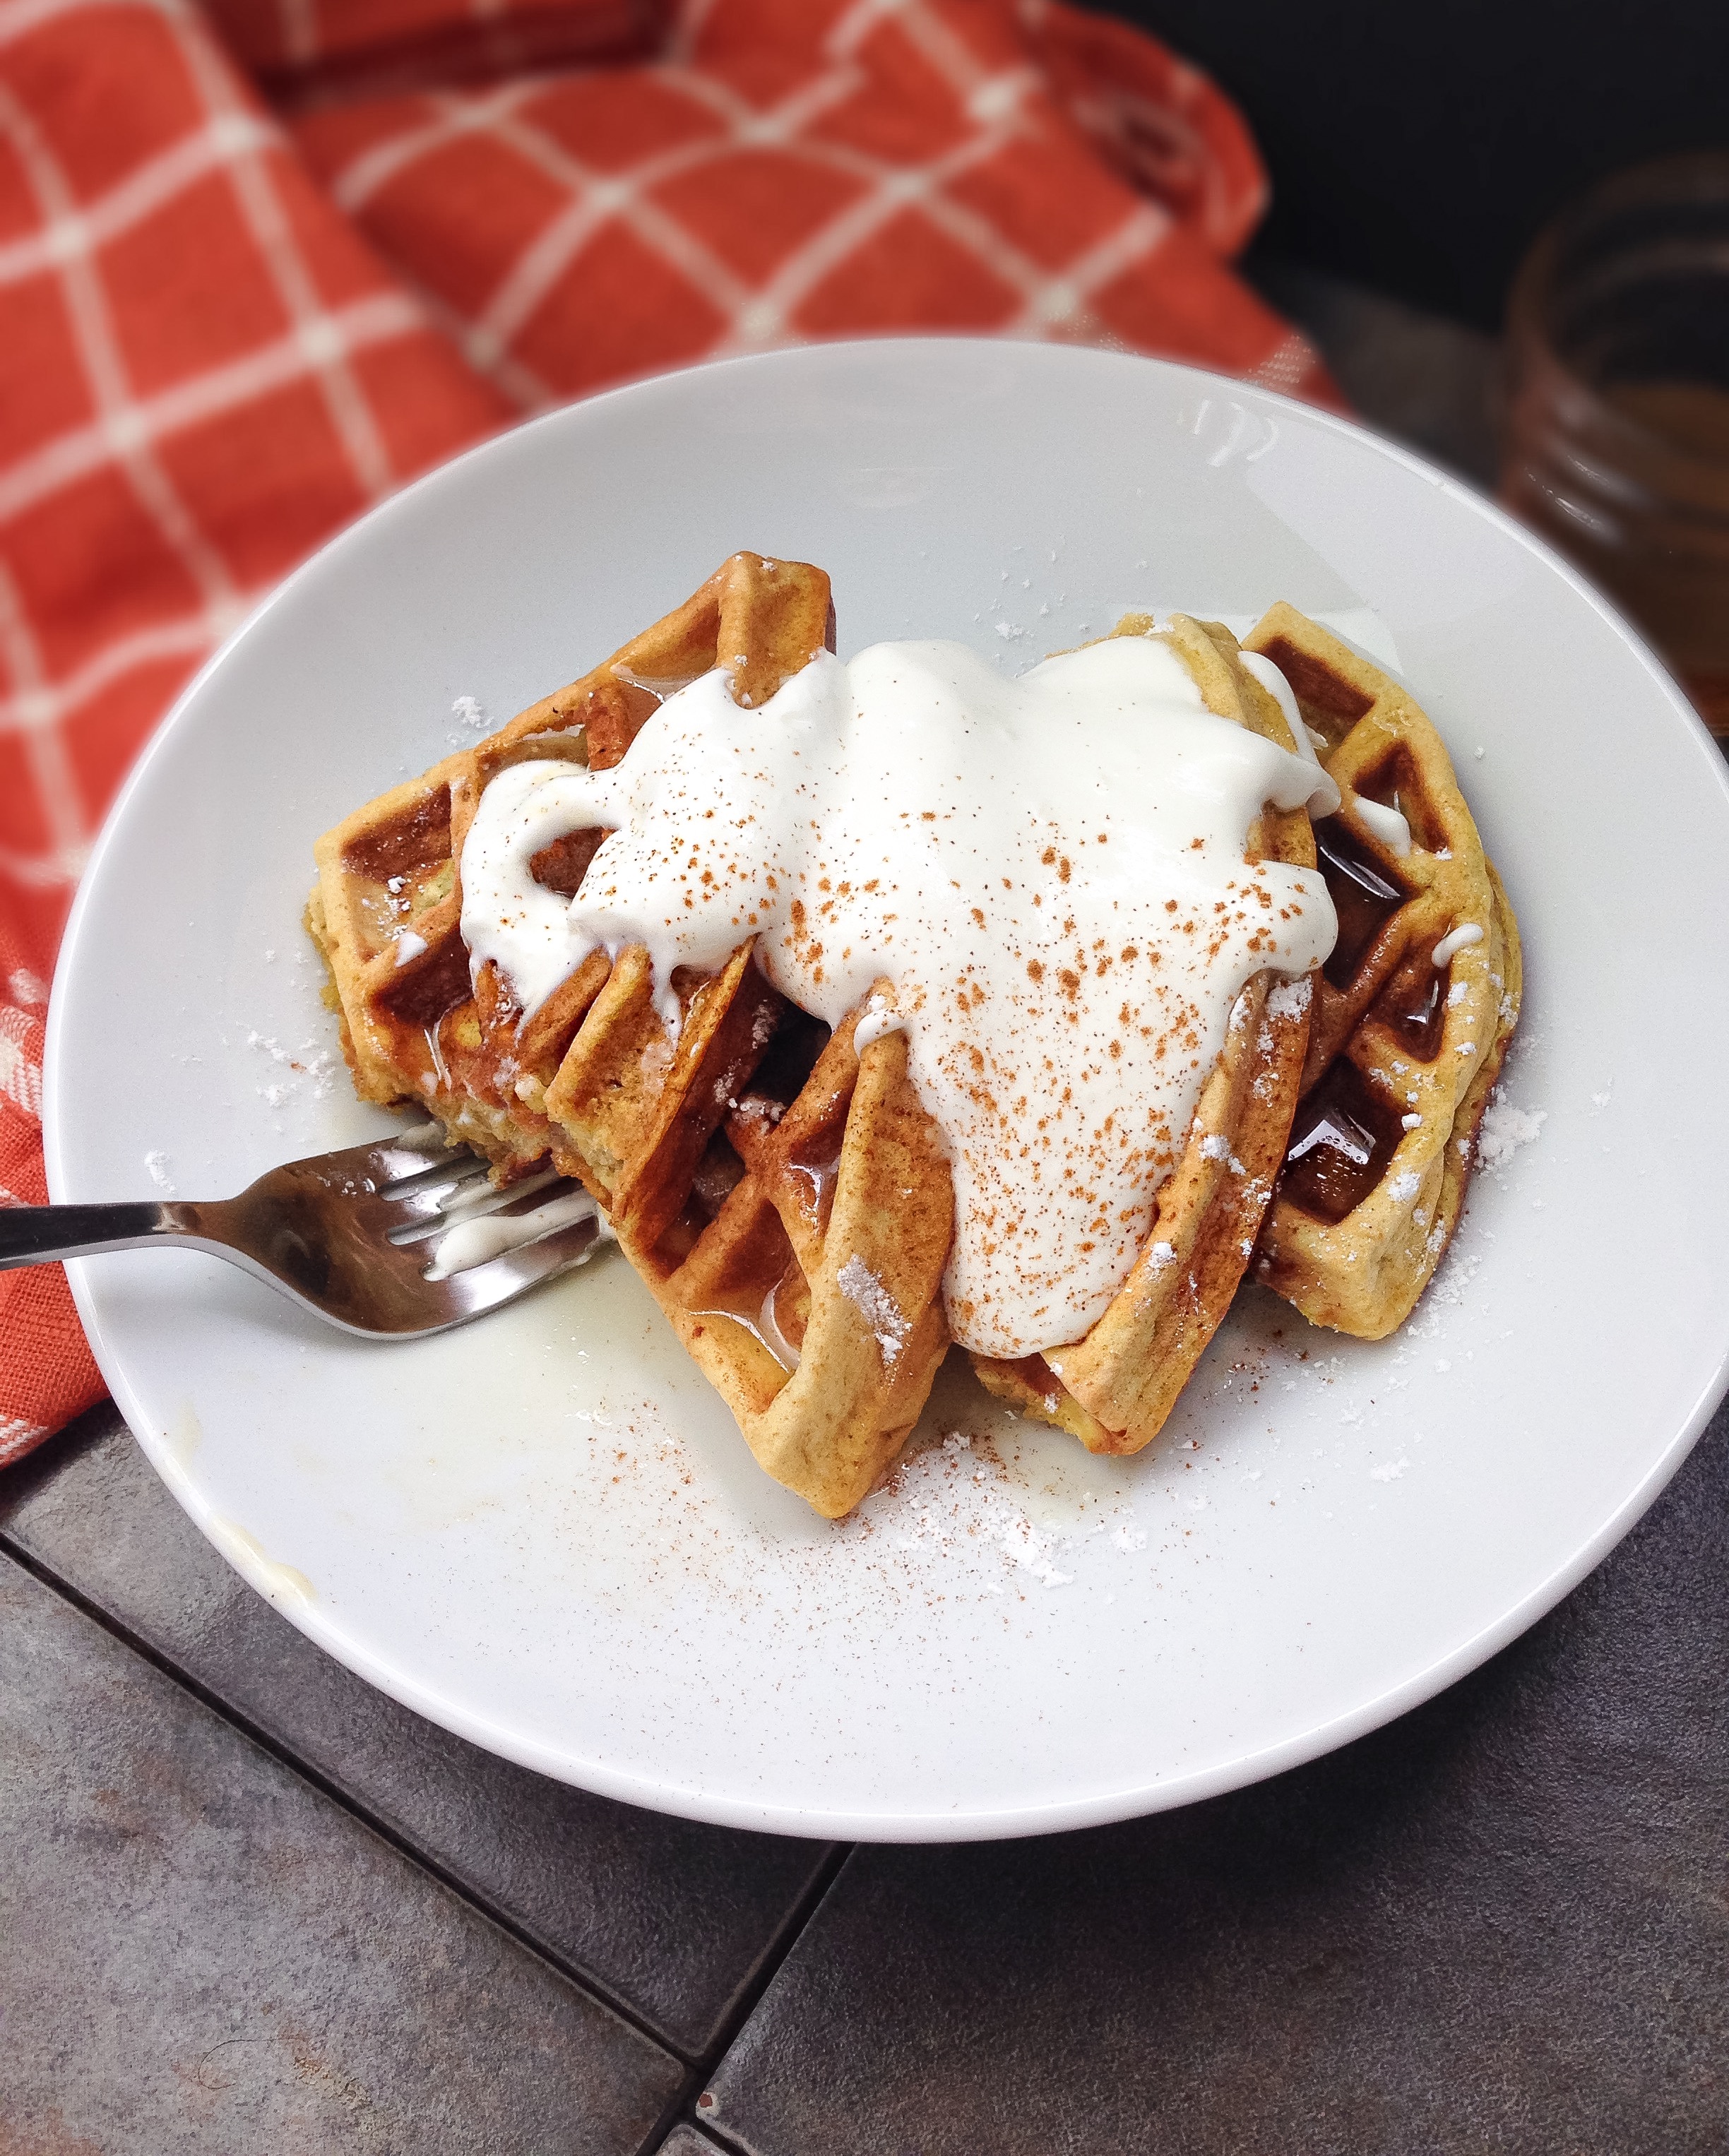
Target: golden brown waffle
[787,1199]
[788,1202]
[1403,1053]
[1114,1388]
[385,909]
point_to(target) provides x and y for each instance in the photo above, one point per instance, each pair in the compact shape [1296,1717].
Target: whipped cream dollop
[1049,871]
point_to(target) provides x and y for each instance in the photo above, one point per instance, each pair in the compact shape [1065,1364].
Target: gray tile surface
[204,1953]
[1500,1924]
[669,1918]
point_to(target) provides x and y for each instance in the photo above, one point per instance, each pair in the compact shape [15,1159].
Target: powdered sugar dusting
[881,1311]
[310,1066]
[1505,1129]
[1289,999]
[951,1503]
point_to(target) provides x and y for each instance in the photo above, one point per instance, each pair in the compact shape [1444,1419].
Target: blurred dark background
[1419,149]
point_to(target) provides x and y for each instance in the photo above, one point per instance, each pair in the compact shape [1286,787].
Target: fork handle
[32,1234]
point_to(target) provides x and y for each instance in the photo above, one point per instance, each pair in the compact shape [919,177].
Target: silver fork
[393,1240]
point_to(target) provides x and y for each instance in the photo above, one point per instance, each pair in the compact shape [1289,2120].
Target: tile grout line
[698,2065]
[750,1995]
[705,2134]
[714,2136]
[27,1561]
[791,1929]
[672,2113]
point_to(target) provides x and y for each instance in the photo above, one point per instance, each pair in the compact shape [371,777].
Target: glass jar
[1617,418]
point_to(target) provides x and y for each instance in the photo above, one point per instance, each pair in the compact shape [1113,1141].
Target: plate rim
[1243,1768]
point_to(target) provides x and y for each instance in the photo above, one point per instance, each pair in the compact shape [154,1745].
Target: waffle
[1403,1053]
[786,1198]
[1114,1388]
[385,911]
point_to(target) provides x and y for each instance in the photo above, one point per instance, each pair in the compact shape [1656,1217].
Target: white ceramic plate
[544,1531]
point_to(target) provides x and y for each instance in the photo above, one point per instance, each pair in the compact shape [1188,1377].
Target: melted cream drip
[1050,870]
[1389,825]
[1455,941]
[1324,799]
[471,1242]
[874,1020]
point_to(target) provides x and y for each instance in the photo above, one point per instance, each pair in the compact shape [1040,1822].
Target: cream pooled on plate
[1049,870]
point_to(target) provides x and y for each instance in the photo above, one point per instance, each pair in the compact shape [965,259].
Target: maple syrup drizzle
[1340,1145]
[1413,1006]
[786,1311]
[1396,784]
[1363,895]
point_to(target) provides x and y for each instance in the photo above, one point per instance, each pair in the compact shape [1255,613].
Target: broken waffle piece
[1415,1006]
[801,1266]
[421,1025]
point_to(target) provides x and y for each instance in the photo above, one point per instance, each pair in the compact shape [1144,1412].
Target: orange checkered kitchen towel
[261,260]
